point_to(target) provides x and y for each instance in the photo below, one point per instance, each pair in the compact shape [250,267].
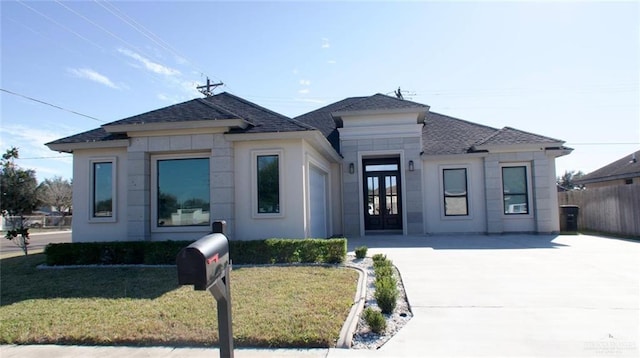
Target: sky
[566,70]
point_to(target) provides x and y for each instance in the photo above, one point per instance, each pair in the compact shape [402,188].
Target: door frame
[363,155]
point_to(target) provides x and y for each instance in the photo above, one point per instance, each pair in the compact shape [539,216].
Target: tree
[19,197]
[567,180]
[56,192]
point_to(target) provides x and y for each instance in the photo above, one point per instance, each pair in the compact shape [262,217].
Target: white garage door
[318,203]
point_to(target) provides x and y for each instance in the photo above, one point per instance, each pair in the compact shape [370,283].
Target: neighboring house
[361,166]
[623,171]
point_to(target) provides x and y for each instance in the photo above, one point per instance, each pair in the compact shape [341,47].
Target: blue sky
[567,70]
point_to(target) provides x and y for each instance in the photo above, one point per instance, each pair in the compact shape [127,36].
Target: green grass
[272,306]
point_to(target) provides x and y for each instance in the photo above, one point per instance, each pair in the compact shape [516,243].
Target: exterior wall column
[222,183]
[138,191]
[493,194]
[545,194]
[351,188]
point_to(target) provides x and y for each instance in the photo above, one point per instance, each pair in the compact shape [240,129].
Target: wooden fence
[614,209]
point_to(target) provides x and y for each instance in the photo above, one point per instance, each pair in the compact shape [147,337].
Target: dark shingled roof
[447,135]
[379,102]
[625,167]
[322,119]
[94,135]
[508,135]
[218,107]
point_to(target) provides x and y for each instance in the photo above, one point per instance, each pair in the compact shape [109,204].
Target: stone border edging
[351,323]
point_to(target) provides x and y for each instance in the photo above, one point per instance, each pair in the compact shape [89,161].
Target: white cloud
[304,91]
[332,62]
[30,143]
[150,65]
[325,43]
[305,82]
[92,75]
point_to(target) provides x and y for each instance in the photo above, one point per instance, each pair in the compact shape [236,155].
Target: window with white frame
[515,190]
[103,189]
[268,181]
[182,191]
[456,197]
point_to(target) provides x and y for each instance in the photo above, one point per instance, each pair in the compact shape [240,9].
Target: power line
[61,25]
[51,105]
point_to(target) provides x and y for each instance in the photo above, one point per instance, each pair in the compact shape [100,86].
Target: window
[515,190]
[103,188]
[268,182]
[182,192]
[455,192]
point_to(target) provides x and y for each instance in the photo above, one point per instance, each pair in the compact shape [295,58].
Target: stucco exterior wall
[83,228]
[434,217]
[291,222]
[543,201]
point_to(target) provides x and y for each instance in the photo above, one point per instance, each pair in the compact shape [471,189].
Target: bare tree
[57,192]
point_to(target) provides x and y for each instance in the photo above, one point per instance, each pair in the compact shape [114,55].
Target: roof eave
[70,147]
[421,111]
[197,124]
[519,147]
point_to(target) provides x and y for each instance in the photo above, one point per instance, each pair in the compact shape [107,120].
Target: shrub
[361,252]
[165,252]
[386,293]
[375,320]
[378,257]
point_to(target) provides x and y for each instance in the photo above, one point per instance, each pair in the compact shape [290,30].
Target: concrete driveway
[515,295]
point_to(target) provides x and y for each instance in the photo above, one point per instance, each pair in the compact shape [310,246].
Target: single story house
[623,171]
[360,166]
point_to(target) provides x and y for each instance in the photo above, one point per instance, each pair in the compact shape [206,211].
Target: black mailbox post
[205,265]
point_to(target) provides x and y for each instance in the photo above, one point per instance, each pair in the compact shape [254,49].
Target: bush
[375,320]
[164,252]
[361,252]
[378,257]
[386,293]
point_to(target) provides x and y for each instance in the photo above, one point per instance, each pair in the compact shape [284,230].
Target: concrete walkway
[474,296]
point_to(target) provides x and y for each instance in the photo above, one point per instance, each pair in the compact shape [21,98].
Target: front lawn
[272,306]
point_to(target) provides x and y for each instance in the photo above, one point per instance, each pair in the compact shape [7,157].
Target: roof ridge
[465,121]
[254,105]
[257,106]
[218,107]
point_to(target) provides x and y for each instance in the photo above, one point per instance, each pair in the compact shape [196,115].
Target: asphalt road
[37,241]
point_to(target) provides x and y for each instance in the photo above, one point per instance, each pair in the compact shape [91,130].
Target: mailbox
[203,262]
[205,265]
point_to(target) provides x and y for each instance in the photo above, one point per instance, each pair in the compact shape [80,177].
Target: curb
[351,323]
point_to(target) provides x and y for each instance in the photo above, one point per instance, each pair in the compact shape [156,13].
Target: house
[623,171]
[360,166]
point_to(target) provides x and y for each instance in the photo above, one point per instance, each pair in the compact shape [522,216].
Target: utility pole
[207,89]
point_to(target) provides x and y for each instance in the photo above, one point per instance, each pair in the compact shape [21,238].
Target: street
[37,242]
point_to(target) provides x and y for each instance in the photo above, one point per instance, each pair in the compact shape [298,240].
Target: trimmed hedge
[270,251]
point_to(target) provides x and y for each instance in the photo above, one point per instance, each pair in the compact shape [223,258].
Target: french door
[382,199]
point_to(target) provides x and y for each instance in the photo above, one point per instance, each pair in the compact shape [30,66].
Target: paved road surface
[37,241]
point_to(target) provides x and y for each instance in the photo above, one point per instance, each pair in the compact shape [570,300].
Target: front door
[382,200]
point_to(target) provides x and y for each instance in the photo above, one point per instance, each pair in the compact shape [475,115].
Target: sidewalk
[52,351]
